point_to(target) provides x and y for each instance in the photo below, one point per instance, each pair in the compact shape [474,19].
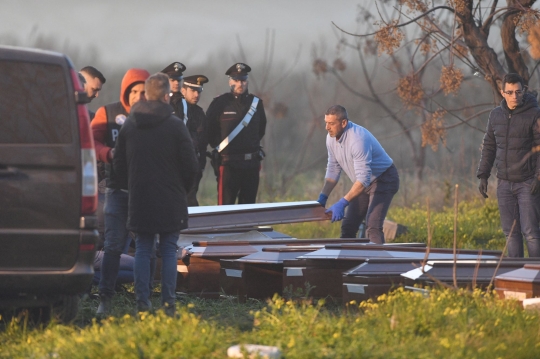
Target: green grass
[403,324]
[478,225]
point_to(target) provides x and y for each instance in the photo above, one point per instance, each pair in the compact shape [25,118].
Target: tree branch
[399,25]
[510,44]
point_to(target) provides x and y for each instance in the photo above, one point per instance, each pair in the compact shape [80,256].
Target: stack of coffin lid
[323,269]
[522,283]
[202,273]
[199,271]
[239,236]
[469,273]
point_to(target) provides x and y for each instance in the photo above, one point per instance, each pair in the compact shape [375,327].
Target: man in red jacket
[106,127]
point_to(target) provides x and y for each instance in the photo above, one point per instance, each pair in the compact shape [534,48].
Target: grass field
[446,324]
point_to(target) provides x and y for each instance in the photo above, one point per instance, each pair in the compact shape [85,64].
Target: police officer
[196,123]
[239,146]
[175,73]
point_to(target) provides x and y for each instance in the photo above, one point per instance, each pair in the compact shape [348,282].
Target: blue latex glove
[338,209]
[322,199]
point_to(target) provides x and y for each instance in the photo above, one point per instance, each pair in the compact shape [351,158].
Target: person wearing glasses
[511,142]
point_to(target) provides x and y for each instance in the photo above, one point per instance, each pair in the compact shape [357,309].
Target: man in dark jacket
[196,123]
[238,174]
[105,128]
[512,135]
[154,155]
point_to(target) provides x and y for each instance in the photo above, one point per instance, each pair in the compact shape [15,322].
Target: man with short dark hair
[155,158]
[354,150]
[511,141]
[196,123]
[240,153]
[94,81]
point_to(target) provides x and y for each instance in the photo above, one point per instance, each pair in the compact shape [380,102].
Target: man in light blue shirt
[356,151]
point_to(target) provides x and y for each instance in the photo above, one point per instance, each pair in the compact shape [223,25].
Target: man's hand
[338,210]
[111,154]
[322,199]
[483,187]
[535,187]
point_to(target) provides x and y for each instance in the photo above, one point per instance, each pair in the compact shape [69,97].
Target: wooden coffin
[522,283]
[243,235]
[259,275]
[374,277]
[322,270]
[203,269]
[469,273]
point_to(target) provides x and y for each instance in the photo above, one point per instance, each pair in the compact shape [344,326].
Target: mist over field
[300,68]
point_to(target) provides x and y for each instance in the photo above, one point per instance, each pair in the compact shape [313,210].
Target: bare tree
[415,41]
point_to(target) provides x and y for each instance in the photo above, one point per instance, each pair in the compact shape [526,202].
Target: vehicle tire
[65,309]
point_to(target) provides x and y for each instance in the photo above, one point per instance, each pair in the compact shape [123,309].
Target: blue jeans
[125,272]
[116,238]
[517,204]
[372,204]
[145,243]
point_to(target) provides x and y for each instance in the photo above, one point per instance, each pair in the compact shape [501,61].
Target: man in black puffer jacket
[155,158]
[511,141]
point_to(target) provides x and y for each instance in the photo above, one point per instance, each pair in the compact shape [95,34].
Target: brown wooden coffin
[374,277]
[259,275]
[469,273]
[521,283]
[186,240]
[323,269]
[203,269]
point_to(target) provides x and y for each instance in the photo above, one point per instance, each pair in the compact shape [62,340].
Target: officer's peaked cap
[195,81]
[238,71]
[174,70]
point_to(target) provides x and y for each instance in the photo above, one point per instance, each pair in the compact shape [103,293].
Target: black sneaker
[105,305]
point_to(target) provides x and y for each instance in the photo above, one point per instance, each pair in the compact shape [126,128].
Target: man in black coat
[238,174]
[155,156]
[196,123]
[512,136]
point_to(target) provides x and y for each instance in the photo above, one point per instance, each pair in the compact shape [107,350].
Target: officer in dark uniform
[175,73]
[196,123]
[240,157]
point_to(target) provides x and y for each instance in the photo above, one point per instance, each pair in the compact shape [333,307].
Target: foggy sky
[123,31]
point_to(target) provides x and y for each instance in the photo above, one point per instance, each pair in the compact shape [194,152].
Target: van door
[39,164]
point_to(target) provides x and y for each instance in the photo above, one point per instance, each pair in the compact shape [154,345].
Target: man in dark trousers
[354,150]
[512,136]
[155,157]
[105,128]
[196,123]
[236,125]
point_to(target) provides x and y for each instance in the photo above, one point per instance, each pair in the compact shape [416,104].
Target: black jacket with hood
[154,155]
[510,137]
